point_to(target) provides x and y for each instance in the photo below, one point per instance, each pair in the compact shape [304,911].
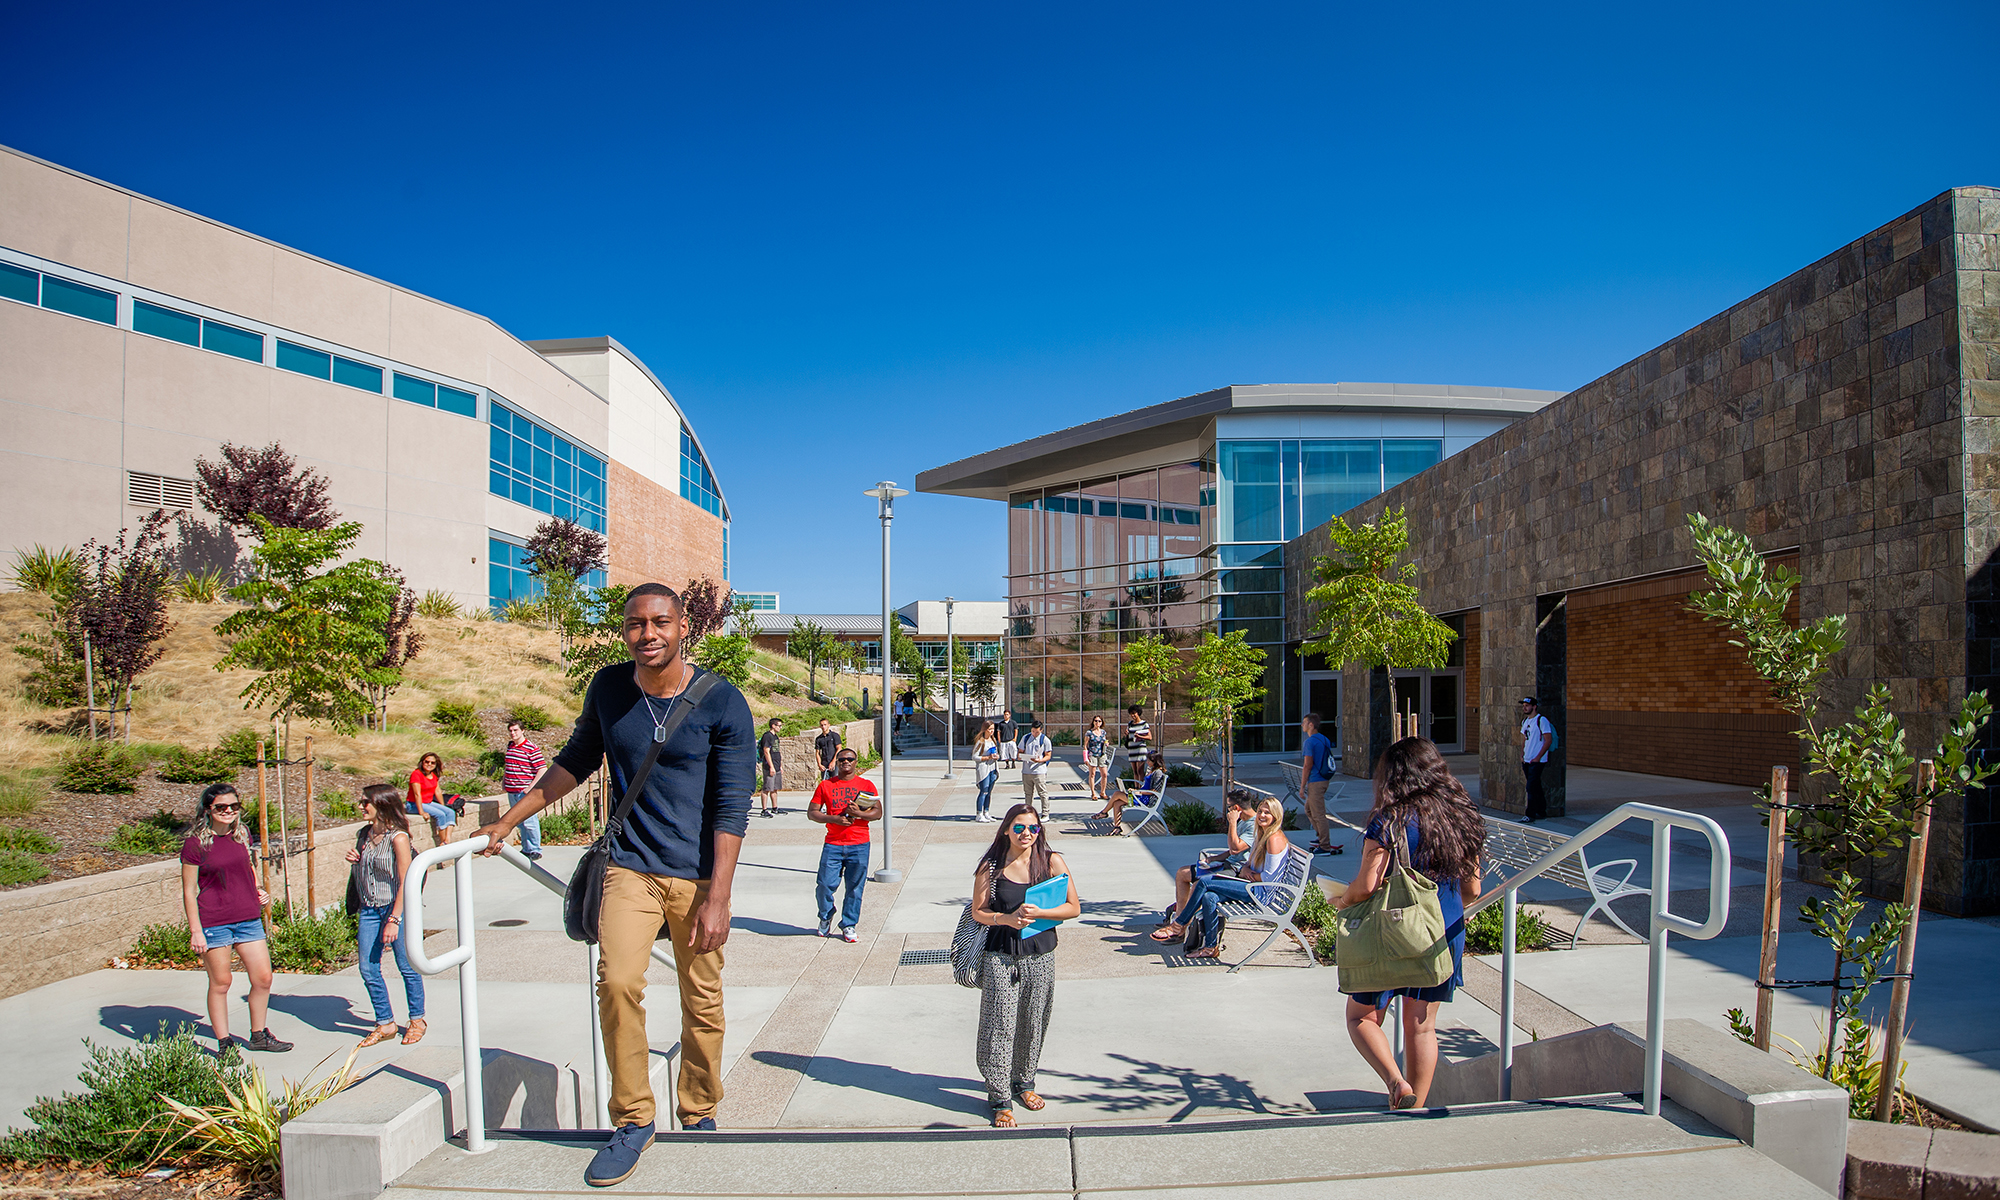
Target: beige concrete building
[136,337]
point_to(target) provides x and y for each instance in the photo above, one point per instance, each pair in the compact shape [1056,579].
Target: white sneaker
[849,936]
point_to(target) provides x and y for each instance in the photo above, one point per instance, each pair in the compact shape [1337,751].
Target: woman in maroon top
[225,910]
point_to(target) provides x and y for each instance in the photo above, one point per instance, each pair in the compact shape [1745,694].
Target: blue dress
[1453,904]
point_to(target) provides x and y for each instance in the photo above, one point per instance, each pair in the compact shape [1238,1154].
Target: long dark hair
[387,800]
[439,773]
[1038,855]
[1412,783]
[204,831]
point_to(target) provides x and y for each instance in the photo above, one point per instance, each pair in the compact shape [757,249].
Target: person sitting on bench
[1156,779]
[1239,824]
[1267,858]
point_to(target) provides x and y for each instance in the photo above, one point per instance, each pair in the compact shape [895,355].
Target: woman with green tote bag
[1419,804]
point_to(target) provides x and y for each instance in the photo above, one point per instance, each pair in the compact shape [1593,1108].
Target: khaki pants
[635,906]
[1035,789]
[1316,807]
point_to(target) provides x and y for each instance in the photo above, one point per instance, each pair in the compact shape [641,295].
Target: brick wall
[657,537]
[1471,733]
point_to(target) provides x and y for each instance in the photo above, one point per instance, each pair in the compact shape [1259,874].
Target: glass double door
[1438,700]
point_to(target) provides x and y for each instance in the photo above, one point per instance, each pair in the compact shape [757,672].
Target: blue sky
[860,241]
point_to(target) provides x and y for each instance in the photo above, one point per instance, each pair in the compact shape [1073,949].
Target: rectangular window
[416,391]
[520,471]
[19,283]
[237,343]
[450,399]
[159,322]
[304,361]
[79,300]
[1337,475]
[1250,500]
[357,375]
[1402,458]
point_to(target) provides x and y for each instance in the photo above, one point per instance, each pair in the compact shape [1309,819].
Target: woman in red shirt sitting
[423,796]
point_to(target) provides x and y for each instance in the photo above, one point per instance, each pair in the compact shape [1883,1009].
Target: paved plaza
[826,1035]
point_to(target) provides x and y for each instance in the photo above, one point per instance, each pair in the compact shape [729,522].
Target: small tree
[1151,663]
[598,640]
[314,634]
[811,644]
[402,641]
[269,483]
[1365,604]
[728,654]
[120,606]
[1871,802]
[707,606]
[564,547]
[982,683]
[1224,680]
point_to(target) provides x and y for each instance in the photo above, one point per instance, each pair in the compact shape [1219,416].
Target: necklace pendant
[659,733]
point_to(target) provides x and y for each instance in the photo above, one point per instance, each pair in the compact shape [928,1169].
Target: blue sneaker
[620,1156]
[705,1125]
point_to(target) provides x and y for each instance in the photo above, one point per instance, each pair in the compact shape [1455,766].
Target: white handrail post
[1656,962]
[468,1012]
[1395,1020]
[600,1068]
[1508,905]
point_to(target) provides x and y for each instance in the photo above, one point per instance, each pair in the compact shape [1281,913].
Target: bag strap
[691,698]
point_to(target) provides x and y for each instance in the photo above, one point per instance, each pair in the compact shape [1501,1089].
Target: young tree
[707,606]
[1871,800]
[1224,680]
[120,608]
[811,644]
[269,483]
[982,683]
[1151,663]
[564,547]
[402,641]
[728,654]
[56,680]
[599,639]
[312,631]
[1366,608]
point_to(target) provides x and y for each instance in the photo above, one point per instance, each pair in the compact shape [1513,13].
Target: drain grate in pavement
[922,958]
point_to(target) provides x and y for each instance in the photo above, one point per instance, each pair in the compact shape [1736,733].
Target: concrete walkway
[823,1034]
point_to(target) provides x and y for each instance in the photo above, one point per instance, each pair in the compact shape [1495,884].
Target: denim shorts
[220,936]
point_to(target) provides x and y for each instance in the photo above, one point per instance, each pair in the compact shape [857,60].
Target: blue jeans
[1207,897]
[531,829]
[835,864]
[986,783]
[371,921]
[441,813]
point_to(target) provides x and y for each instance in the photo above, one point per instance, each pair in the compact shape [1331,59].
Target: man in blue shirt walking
[1317,771]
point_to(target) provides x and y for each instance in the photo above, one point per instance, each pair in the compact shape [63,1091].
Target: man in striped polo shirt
[525,763]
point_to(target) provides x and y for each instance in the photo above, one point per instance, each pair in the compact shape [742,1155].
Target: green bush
[457,720]
[1323,944]
[340,806]
[167,943]
[1183,775]
[118,1119]
[566,828]
[17,866]
[1483,931]
[100,768]
[471,787]
[161,833]
[1064,737]
[295,818]
[1315,910]
[28,841]
[18,796]
[531,716]
[438,603]
[312,945]
[793,724]
[47,571]
[1186,818]
[203,587]
[241,746]
[199,766]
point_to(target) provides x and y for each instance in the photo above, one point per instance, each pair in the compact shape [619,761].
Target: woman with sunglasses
[1267,857]
[423,796]
[380,859]
[1097,756]
[225,911]
[1017,978]
[986,767]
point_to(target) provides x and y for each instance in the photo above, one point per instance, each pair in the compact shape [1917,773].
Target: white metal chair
[1273,902]
[1510,844]
[1147,804]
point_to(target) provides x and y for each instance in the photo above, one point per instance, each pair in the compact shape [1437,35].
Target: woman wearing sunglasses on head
[225,911]
[380,861]
[1017,985]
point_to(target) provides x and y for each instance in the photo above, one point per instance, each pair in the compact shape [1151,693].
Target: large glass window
[697,481]
[1249,508]
[508,578]
[1337,475]
[1402,458]
[1277,490]
[532,465]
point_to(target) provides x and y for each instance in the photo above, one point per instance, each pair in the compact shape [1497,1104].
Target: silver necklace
[659,717]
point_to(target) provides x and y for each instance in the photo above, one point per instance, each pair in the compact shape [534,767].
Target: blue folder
[1049,893]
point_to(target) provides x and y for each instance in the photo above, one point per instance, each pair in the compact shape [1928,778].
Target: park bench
[1512,847]
[1272,903]
[1147,804]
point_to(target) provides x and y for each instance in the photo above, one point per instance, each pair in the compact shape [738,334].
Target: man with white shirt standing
[1536,738]
[1036,751]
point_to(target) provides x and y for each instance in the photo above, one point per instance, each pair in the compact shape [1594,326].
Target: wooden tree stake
[1906,953]
[1774,886]
[263,829]
[312,882]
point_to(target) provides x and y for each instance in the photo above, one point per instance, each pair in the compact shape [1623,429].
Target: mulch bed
[200,1183]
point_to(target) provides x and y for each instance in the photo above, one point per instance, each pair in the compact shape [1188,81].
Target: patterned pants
[1016,996]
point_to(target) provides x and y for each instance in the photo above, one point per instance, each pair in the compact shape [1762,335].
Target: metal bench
[1516,846]
[1148,805]
[1272,902]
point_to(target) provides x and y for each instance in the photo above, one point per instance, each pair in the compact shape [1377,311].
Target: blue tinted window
[697,481]
[227,339]
[416,391]
[1250,491]
[499,444]
[1404,458]
[79,300]
[450,399]
[18,283]
[166,323]
[1337,476]
[357,375]
[530,464]
[302,360]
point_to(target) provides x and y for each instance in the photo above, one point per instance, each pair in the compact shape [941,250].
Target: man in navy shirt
[1316,771]
[672,863]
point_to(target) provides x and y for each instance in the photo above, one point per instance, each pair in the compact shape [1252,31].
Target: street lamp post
[950,692]
[885,494]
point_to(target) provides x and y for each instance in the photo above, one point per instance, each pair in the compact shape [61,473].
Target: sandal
[1032,1101]
[1169,932]
[1403,1099]
[1003,1118]
[1214,951]
[380,1034]
[416,1031]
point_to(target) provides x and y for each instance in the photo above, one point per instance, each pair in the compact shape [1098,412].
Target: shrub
[198,766]
[100,768]
[19,867]
[202,587]
[793,724]
[531,716]
[522,612]
[1064,737]
[1323,945]
[245,1130]
[493,763]
[241,746]
[40,569]
[1315,910]
[457,720]
[28,841]
[252,817]
[18,796]
[1183,775]
[340,806]
[117,1119]
[312,945]
[438,603]
[1482,932]
[160,833]
[1185,818]
[166,943]
[569,827]
[471,787]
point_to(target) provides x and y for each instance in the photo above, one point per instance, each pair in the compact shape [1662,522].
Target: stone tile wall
[656,536]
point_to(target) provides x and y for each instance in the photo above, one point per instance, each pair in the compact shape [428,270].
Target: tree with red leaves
[121,605]
[559,545]
[707,605]
[267,483]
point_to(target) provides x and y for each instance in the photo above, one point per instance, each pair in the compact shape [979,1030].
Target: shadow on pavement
[1150,1086]
[771,928]
[333,1014]
[137,1021]
[948,1092]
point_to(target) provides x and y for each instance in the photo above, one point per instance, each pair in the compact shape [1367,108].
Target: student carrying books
[1017,988]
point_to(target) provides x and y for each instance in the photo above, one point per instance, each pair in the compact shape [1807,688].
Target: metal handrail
[1665,821]
[463,956]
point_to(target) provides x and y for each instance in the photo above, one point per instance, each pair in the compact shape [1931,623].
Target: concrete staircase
[1592,1147]
[913,736]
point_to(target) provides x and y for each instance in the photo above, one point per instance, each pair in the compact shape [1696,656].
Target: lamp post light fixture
[950,692]
[885,494]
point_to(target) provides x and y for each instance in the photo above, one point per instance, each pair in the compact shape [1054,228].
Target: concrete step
[1601,1146]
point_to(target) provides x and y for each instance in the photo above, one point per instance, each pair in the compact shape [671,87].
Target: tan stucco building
[136,337]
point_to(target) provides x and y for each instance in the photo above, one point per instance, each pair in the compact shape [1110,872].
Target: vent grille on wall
[158,491]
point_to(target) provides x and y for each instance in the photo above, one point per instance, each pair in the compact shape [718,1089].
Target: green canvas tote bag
[1396,937]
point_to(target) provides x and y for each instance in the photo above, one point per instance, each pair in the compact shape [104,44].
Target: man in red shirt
[524,765]
[844,804]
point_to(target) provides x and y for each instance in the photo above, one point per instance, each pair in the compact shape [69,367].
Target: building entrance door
[1323,697]
[1438,698]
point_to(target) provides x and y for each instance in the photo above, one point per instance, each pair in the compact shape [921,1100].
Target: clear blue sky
[858,241]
